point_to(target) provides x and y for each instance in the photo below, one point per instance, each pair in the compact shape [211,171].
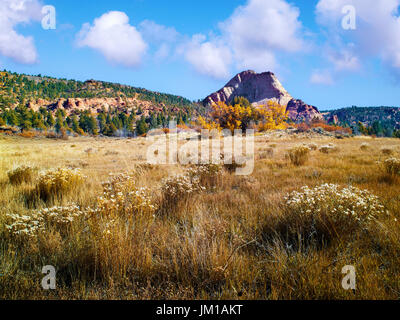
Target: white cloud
[249,39]
[115,38]
[264,26]
[154,32]
[321,77]
[207,57]
[377,32]
[343,58]
[12,44]
[161,38]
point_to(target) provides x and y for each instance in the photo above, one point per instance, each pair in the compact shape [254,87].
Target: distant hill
[42,91]
[92,107]
[385,119]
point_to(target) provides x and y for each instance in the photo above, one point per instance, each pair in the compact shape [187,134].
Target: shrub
[179,188]
[387,151]
[266,153]
[24,173]
[328,148]
[364,146]
[42,220]
[328,212]
[57,182]
[208,175]
[392,166]
[298,155]
[122,197]
[313,146]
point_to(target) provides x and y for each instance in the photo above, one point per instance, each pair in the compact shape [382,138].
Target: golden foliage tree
[241,114]
[272,116]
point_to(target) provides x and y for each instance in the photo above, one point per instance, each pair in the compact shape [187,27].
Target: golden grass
[299,155]
[236,238]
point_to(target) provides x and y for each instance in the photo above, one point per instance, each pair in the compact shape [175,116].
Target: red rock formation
[259,88]
[300,111]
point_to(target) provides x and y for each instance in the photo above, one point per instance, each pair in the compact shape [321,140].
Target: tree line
[108,123]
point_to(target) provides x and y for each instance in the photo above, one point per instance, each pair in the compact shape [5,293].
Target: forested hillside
[379,121]
[93,107]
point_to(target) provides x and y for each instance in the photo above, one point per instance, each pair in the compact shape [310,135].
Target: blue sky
[192,48]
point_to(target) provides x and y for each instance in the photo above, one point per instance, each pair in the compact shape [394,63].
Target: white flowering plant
[331,211]
[209,175]
[122,197]
[42,220]
[392,166]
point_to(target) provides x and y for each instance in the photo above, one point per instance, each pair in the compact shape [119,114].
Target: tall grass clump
[41,221]
[325,213]
[364,146]
[179,189]
[328,148]
[299,155]
[387,151]
[392,166]
[21,174]
[209,175]
[313,146]
[55,183]
[123,198]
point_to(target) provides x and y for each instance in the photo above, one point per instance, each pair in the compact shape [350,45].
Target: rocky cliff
[259,88]
[95,105]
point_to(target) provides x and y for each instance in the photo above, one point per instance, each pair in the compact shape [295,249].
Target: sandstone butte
[259,88]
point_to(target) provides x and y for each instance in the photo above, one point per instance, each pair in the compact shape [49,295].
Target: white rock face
[258,88]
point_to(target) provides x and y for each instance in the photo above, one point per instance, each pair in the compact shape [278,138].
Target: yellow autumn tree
[272,116]
[240,114]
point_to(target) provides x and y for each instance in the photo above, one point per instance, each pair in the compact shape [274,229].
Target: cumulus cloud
[259,29]
[321,77]
[207,57]
[12,44]
[154,32]
[115,38]
[249,39]
[344,60]
[377,32]
[160,37]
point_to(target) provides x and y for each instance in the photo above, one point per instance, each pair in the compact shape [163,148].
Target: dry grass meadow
[171,232]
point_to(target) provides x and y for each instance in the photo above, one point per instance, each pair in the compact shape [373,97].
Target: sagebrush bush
[21,174]
[231,163]
[328,212]
[40,221]
[179,188]
[387,151]
[364,146]
[299,155]
[313,146]
[122,197]
[58,182]
[209,175]
[266,153]
[328,148]
[392,166]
